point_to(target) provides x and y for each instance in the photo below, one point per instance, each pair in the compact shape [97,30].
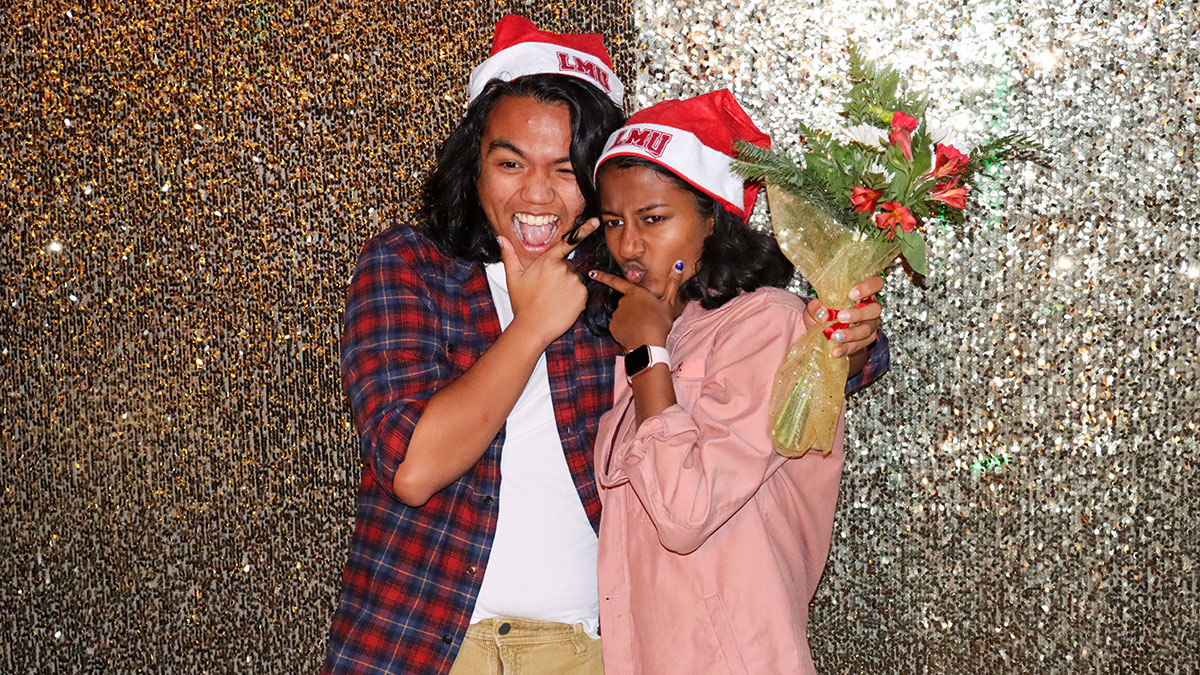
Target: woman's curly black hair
[736,258]
[451,211]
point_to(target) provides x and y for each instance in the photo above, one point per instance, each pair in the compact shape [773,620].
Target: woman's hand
[643,318]
[863,321]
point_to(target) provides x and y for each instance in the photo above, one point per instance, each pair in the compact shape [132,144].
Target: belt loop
[581,639]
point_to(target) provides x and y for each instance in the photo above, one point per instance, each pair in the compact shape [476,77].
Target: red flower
[950,162]
[950,193]
[894,215]
[901,135]
[864,198]
[903,122]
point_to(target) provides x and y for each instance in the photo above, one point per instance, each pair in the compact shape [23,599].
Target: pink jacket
[711,544]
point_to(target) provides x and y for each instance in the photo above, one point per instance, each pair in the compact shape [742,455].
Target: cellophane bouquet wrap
[859,198]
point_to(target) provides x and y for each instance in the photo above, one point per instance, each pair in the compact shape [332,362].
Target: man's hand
[643,318]
[548,296]
[863,321]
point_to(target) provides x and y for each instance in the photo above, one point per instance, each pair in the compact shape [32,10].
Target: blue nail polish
[837,336]
[678,265]
[821,315]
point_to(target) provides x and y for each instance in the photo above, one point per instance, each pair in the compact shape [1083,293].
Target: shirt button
[487,501]
[471,570]
[504,628]
[447,639]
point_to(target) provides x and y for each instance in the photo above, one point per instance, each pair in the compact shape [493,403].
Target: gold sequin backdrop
[184,187]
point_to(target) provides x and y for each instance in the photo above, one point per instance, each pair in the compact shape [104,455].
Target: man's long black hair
[451,209]
[736,258]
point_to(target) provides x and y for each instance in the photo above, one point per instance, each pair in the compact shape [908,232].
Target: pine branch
[1013,147]
[776,168]
[858,64]
[1010,148]
[876,94]
[749,153]
[818,140]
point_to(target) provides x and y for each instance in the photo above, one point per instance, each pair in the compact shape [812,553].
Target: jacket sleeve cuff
[672,422]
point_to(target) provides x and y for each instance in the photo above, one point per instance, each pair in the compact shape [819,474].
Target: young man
[462,340]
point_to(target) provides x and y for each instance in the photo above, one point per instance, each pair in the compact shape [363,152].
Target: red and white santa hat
[519,49]
[693,138]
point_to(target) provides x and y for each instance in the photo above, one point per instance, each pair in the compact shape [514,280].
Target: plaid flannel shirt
[877,364]
[415,320]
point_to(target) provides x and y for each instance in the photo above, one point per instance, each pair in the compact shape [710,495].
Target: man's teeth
[535,230]
[535,220]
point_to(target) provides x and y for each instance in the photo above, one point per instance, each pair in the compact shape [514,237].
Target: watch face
[637,360]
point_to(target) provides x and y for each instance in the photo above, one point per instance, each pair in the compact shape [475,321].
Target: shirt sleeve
[877,364]
[393,356]
[693,470]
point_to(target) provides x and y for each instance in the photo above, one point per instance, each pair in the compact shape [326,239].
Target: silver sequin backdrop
[1020,492]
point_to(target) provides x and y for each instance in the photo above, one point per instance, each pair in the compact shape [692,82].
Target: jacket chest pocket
[690,369]
[688,378]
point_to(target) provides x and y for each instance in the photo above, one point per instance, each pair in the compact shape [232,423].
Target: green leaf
[893,158]
[922,154]
[912,247]
[922,190]
[875,181]
[897,190]
[887,85]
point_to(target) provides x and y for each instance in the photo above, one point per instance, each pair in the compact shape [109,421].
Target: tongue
[538,235]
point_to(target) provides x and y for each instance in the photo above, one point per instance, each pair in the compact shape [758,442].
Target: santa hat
[693,138]
[519,49]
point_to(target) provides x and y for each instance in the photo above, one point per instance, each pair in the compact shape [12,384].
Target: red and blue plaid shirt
[416,319]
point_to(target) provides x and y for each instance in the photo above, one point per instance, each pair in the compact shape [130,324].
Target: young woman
[711,544]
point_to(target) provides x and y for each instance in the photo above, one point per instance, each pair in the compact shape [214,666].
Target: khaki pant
[507,646]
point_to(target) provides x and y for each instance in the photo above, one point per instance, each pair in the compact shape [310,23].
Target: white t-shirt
[543,560]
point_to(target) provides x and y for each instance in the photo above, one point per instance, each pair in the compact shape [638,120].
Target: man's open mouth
[535,231]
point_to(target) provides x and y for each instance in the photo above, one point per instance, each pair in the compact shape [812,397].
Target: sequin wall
[1020,492]
[183,189]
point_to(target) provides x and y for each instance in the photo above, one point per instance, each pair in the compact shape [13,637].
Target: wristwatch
[642,358]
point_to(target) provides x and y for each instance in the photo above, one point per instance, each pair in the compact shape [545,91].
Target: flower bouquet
[859,198]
